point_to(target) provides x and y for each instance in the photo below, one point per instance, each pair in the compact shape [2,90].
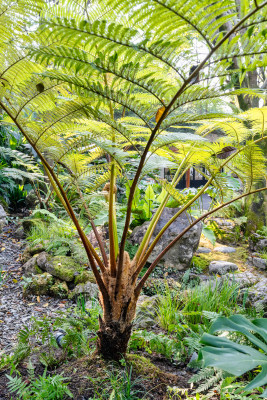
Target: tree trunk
[116,324]
[113,340]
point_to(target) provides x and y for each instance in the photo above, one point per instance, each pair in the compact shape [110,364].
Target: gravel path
[15,311]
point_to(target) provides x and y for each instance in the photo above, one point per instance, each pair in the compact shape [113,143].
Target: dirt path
[15,312]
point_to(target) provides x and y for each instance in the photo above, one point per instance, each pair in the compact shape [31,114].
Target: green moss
[199,263]
[83,277]
[59,289]
[143,366]
[63,268]
[39,285]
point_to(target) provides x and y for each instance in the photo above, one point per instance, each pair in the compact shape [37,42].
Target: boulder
[62,267]
[180,255]
[83,277]
[260,263]
[258,294]
[31,268]
[257,242]
[225,249]
[222,267]
[39,285]
[31,200]
[243,279]
[19,233]
[203,250]
[3,218]
[146,312]
[59,289]
[88,290]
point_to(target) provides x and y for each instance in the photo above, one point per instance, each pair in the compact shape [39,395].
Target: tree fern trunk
[116,324]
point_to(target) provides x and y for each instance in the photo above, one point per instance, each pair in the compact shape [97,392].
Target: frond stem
[155,263]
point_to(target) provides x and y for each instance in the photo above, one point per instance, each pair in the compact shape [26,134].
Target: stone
[180,255]
[62,267]
[83,277]
[3,217]
[243,279]
[31,200]
[38,248]
[203,250]
[258,293]
[59,289]
[225,249]
[31,268]
[146,312]
[257,242]
[222,267]
[260,263]
[19,233]
[39,285]
[88,290]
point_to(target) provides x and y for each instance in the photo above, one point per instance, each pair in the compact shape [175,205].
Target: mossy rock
[83,277]
[62,267]
[31,268]
[39,285]
[88,290]
[36,249]
[59,289]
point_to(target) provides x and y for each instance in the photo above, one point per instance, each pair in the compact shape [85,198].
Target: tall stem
[113,235]
[98,238]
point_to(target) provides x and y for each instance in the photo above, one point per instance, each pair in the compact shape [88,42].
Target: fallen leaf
[14,280]
[3,248]
[61,305]
[31,304]
[38,299]
[159,113]
[46,305]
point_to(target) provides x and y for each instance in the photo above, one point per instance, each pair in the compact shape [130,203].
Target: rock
[258,294]
[83,277]
[243,279]
[203,250]
[180,255]
[61,267]
[257,242]
[19,233]
[3,217]
[222,267]
[31,268]
[260,263]
[39,285]
[225,249]
[36,249]
[88,290]
[146,312]
[59,289]
[27,224]
[31,200]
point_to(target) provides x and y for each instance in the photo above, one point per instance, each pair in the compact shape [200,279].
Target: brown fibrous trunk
[116,324]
